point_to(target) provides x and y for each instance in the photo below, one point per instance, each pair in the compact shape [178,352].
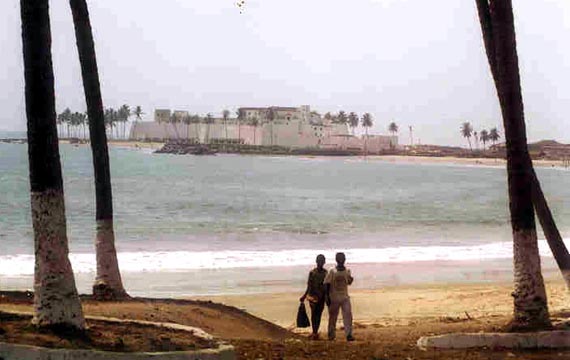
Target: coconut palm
[187,120]
[123,115]
[226,116]
[138,113]
[494,135]
[484,136]
[255,124]
[209,120]
[342,118]
[108,283]
[530,303]
[240,117]
[366,123]
[467,132]
[393,128]
[353,121]
[56,302]
[476,138]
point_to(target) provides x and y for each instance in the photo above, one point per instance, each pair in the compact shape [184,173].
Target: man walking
[315,293]
[336,284]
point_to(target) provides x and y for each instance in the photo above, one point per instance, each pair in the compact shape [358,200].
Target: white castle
[292,127]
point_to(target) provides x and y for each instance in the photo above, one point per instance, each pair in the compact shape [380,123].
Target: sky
[416,62]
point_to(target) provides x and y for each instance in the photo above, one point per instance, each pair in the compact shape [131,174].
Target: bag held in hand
[302,318]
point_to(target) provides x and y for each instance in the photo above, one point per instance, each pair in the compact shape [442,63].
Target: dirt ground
[99,335]
[255,338]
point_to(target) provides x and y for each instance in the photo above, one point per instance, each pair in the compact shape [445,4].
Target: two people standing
[330,288]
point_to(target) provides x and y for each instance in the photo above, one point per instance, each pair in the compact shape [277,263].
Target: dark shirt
[315,284]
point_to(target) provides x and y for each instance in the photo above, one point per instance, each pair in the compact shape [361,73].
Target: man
[336,290]
[315,293]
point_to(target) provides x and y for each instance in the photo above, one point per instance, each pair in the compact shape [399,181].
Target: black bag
[302,318]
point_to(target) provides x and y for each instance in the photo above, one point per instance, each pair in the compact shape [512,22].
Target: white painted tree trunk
[108,283]
[530,294]
[56,301]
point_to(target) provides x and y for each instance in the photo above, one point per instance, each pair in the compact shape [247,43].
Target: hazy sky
[416,62]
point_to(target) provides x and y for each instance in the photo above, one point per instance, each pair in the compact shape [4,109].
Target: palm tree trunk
[56,301]
[530,303]
[108,283]
[551,233]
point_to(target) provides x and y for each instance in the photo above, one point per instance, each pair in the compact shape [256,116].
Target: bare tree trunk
[530,303]
[108,283]
[56,302]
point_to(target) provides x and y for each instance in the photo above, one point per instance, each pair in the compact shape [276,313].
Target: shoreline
[402,304]
[396,159]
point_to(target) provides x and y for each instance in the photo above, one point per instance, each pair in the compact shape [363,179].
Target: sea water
[189,225]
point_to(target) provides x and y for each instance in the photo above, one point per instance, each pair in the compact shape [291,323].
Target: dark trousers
[316,314]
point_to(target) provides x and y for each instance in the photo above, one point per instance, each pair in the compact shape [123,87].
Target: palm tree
[530,303]
[393,128]
[174,121]
[108,283]
[342,118]
[123,116]
[494,135]
[56,301]
[353,121]
[255,124]
[187,120]
[138,113]
[411,135]
[467,132]
[226,116]
[240,117]
[476,138]
[366,123]
[209,119]
[484,136]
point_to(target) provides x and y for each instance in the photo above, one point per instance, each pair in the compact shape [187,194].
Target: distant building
[293,127]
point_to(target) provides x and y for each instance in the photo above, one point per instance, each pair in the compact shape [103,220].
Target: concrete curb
[25,352]
[535,340]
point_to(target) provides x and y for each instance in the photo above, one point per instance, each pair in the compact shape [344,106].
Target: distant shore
[400,159]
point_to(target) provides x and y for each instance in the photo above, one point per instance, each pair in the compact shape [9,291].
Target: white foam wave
[172,261]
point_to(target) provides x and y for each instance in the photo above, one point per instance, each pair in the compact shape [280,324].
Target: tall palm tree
[138,113]
[484,136]
[187,120]
[353,121]
[226,116]
[467,132]
[108,283]
[393,128]
[56,301]
[494,135]
[476,138]
[530,303]
[255,124]
[240,117]
[123,116]
[209,120]
[342,118]
[366,123]
[411,129]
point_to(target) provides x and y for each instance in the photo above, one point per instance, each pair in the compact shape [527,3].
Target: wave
[176,261]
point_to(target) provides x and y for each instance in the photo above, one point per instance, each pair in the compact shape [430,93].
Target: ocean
[228,224]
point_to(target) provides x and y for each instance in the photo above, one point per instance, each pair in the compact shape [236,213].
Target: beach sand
[398,159]
[398,305]
[388,321]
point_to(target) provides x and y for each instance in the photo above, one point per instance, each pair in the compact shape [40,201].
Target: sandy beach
[398,159]
[400,305]
[387,324]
